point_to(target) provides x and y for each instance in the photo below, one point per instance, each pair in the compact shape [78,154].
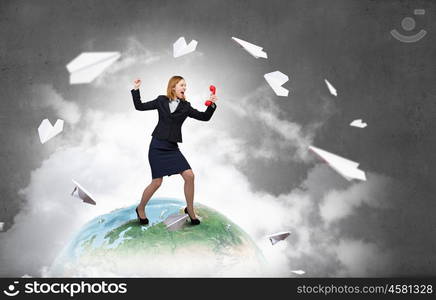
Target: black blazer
[169,126]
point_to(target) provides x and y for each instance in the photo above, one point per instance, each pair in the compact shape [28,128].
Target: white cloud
[339,204]
[135,55]
[360,258]
[46,96]
[281,139]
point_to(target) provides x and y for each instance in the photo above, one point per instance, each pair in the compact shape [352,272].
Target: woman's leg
[146,195]
[188,176]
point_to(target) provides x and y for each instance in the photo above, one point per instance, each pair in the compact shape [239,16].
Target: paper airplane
[175,221]
[1,226]
[254,50]
[46,131]
[347,168]
[358,123]
[180,47]
[279,236]
[81,193]
[331,88]
[89,65]
[275,80]
[298,272]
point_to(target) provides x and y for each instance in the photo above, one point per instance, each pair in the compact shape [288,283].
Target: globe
[117,245]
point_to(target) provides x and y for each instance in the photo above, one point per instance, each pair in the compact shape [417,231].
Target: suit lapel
[166,106]
[179,107]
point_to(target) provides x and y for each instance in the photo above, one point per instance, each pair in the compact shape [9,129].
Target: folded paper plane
[358,123]
[81,193]
[254,50]
[47,131]
[279,236]
[89,65]
[331,88]
[180,47]
[346,168]
[298,272]
[175,221]
[276,80]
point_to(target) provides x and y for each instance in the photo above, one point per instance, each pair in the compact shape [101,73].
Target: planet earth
[117,245]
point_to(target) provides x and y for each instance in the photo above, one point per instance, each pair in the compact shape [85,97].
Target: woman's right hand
[137,83]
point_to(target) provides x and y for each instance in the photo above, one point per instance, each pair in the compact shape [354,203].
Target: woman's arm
[137,98]
[142,106]
[202,116]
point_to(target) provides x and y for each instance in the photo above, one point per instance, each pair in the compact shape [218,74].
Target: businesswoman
[164,155]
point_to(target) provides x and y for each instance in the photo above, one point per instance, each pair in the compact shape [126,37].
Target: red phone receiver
[212,89]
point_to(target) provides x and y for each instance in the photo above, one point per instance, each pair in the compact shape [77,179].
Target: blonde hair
[171,85]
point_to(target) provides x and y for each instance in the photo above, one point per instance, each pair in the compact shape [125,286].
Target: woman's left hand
[213,98]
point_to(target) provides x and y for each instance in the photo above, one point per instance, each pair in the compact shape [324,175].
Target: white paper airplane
[180,47]
[81,193]
[254,50]
[89,65]
[358,123]
[298,272]
[347,168]
[46,131]
[279,236]
[175,221]
[1,226]
[331,88]
[275,80]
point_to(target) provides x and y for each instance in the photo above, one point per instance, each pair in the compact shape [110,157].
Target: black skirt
[165,158]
